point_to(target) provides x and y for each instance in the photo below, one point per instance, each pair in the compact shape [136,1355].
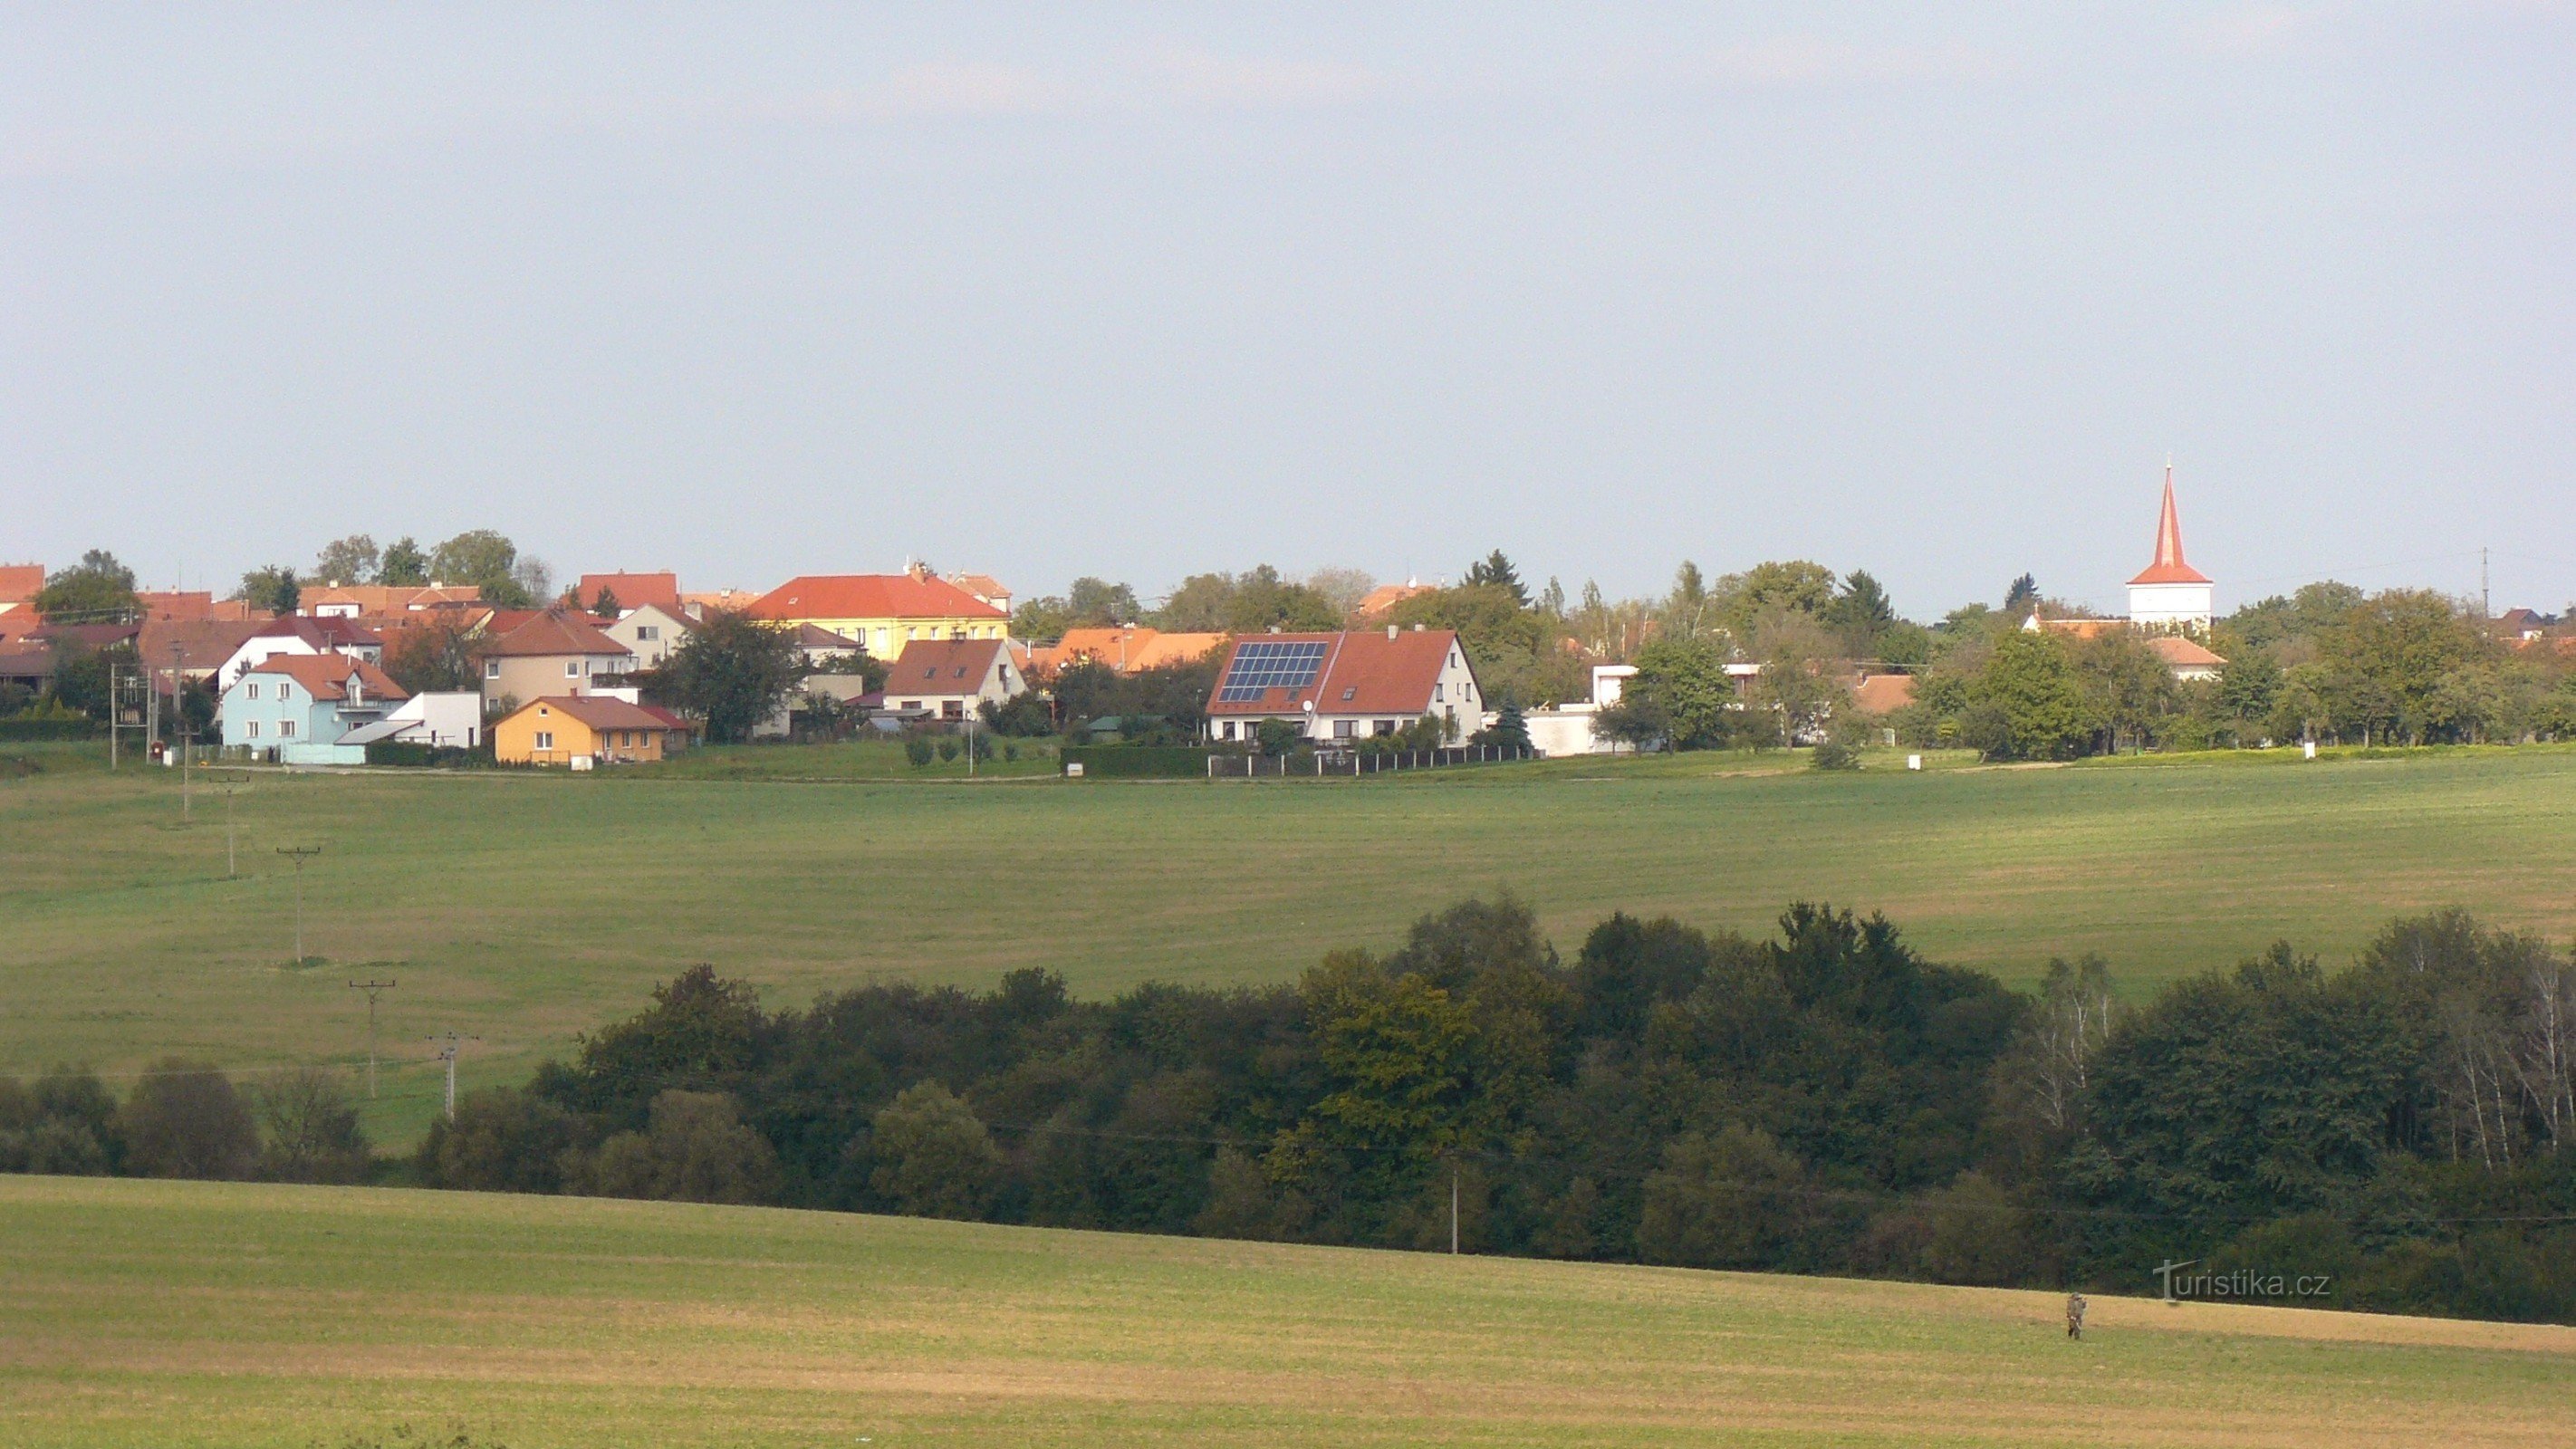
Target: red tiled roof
[1364,672]
[632,589]
[552,633]
[19,582]
[1386,596]
[942,666]
[325,675]
[2180,653]
[602,712]
[2169,567]
[1883,693]
[1127,649]
[871,596]
[327,631]
[203,645]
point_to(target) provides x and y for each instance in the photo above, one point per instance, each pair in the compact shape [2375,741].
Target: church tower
[2171,594]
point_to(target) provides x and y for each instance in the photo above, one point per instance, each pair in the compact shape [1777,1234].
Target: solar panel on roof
[1264,665]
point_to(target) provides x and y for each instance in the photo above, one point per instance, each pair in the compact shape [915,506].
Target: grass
[526,907]
[196,1314]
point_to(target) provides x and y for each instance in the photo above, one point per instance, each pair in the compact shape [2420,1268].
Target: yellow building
[583,730]
[883,612]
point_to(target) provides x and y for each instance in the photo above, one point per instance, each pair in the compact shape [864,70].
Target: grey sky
[1139,291]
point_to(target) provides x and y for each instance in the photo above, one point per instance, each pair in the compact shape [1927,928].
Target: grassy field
[527,907]
[195,1314]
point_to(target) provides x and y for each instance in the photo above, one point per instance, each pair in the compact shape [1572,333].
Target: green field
[527,907]
[184,1314]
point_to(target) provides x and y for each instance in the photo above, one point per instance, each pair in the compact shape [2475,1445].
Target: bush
[503,1140]
[948,749]
[696,1150]
[1834,752]
[184,1119]
[916,748]
[934,1157]
[64,1125]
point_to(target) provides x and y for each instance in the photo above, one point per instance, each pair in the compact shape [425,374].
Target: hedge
[1137,762]
[49,729]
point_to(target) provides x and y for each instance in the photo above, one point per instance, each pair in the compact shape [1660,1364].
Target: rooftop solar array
[1263,665]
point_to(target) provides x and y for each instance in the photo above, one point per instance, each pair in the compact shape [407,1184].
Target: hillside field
[198,1314]
[525,908]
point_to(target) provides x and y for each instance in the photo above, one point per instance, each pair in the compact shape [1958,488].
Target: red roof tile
[554,632]
[942,666]
[631,590]
[603,712]
[1364,672]
[871,596]
[326,675]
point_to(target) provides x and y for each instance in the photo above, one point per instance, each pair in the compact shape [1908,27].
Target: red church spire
[2169,567]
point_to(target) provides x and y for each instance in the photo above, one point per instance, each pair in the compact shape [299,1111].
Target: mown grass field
[198,1314]
[525,908]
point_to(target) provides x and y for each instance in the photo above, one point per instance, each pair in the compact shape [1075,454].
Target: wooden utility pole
[179,726]
[373,989]
[299,854]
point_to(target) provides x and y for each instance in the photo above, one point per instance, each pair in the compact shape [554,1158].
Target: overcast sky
[1139,291]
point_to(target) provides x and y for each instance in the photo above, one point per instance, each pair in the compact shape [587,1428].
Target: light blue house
[294,709]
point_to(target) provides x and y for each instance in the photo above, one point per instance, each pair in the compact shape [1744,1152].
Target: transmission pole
[179,726]
[373,989]
[115,716]
[299,854]
[448,1054]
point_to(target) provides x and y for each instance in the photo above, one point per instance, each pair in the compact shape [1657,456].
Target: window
[491,669]
[952,709]
[545,739]
[572,669]
[1228,730]
[647,633]
[1342,728]
[1384,727]
[254,690]
[1436,694]
[286,729]
[1350,693]
[251,730]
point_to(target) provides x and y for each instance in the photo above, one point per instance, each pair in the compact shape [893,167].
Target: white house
[1343,686]
[452,721]
[301,634]
[951,678]
[1567,729]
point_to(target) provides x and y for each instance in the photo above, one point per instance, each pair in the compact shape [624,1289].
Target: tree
[1765,591]
[1510,731]
[1342,588]
[184,1119]
[2127,686]
[492,563]
[733,671]
[2033,701]
[1860,614]
[311,1123]
[2387,657]
[1735,1200]
[934,1157]
[435,657]
[1091,603]
[345,561]
[1801,683]
[2020,599]
[272,590]
[695,1149]
[1683,685]
[96,590]
[604,604]
[404,565]
[1495,571]
[502,1140]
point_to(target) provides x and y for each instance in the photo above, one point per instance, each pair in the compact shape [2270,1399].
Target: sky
[1141,291]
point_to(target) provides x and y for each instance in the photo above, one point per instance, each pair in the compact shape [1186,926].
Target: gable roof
[1386,596]
[602,712]
[204,645]
[2169,567]
[943,666]
[1883,693]
[554,633]
[388,598]
[1126,649]
[1364,671]
[982,586]
[19,582]
[632,589]
[815,636]
[327,631]
[871,596]
[2180,653]
[325,676]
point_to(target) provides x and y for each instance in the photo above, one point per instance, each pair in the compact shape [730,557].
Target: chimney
[1391,631]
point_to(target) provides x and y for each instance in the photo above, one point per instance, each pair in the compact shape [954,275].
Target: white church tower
[2171,594]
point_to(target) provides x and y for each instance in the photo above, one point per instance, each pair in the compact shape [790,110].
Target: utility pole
[1453,1207]
[448,1054]
[299,854]
[115,716]
[179,726]
[373,989]
[229,781]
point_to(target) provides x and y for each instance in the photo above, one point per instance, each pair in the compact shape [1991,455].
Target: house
[650,631]
[1375,603]
[443,720]
[883,612]
[191,606]
[985,587]
[1340,686]
[2522,624]
[300,635]
[583,730]
[630,590]
[557,652]
[299,709]
[348,601]
[1879,695]
[818,644]
[1570,728]
[1125,649]
[729,601]
[19,585]
[949,678]
[2187,658]
[2169,593]
[203,647]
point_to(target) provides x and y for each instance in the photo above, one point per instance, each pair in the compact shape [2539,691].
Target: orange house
[584,730]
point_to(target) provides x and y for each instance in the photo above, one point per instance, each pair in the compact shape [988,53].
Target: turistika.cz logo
[2239,1283]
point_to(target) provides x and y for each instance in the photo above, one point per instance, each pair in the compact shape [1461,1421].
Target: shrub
[916,748]
[696,1150]
[184,1119]
[934,1156]
[503,1140]
[948,748]
[1730,1201]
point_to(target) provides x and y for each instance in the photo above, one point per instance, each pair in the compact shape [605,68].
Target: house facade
[298,709]
[949,679]
[581,731]
[557,652]
[650,631]
[1346,685]
[883,612]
